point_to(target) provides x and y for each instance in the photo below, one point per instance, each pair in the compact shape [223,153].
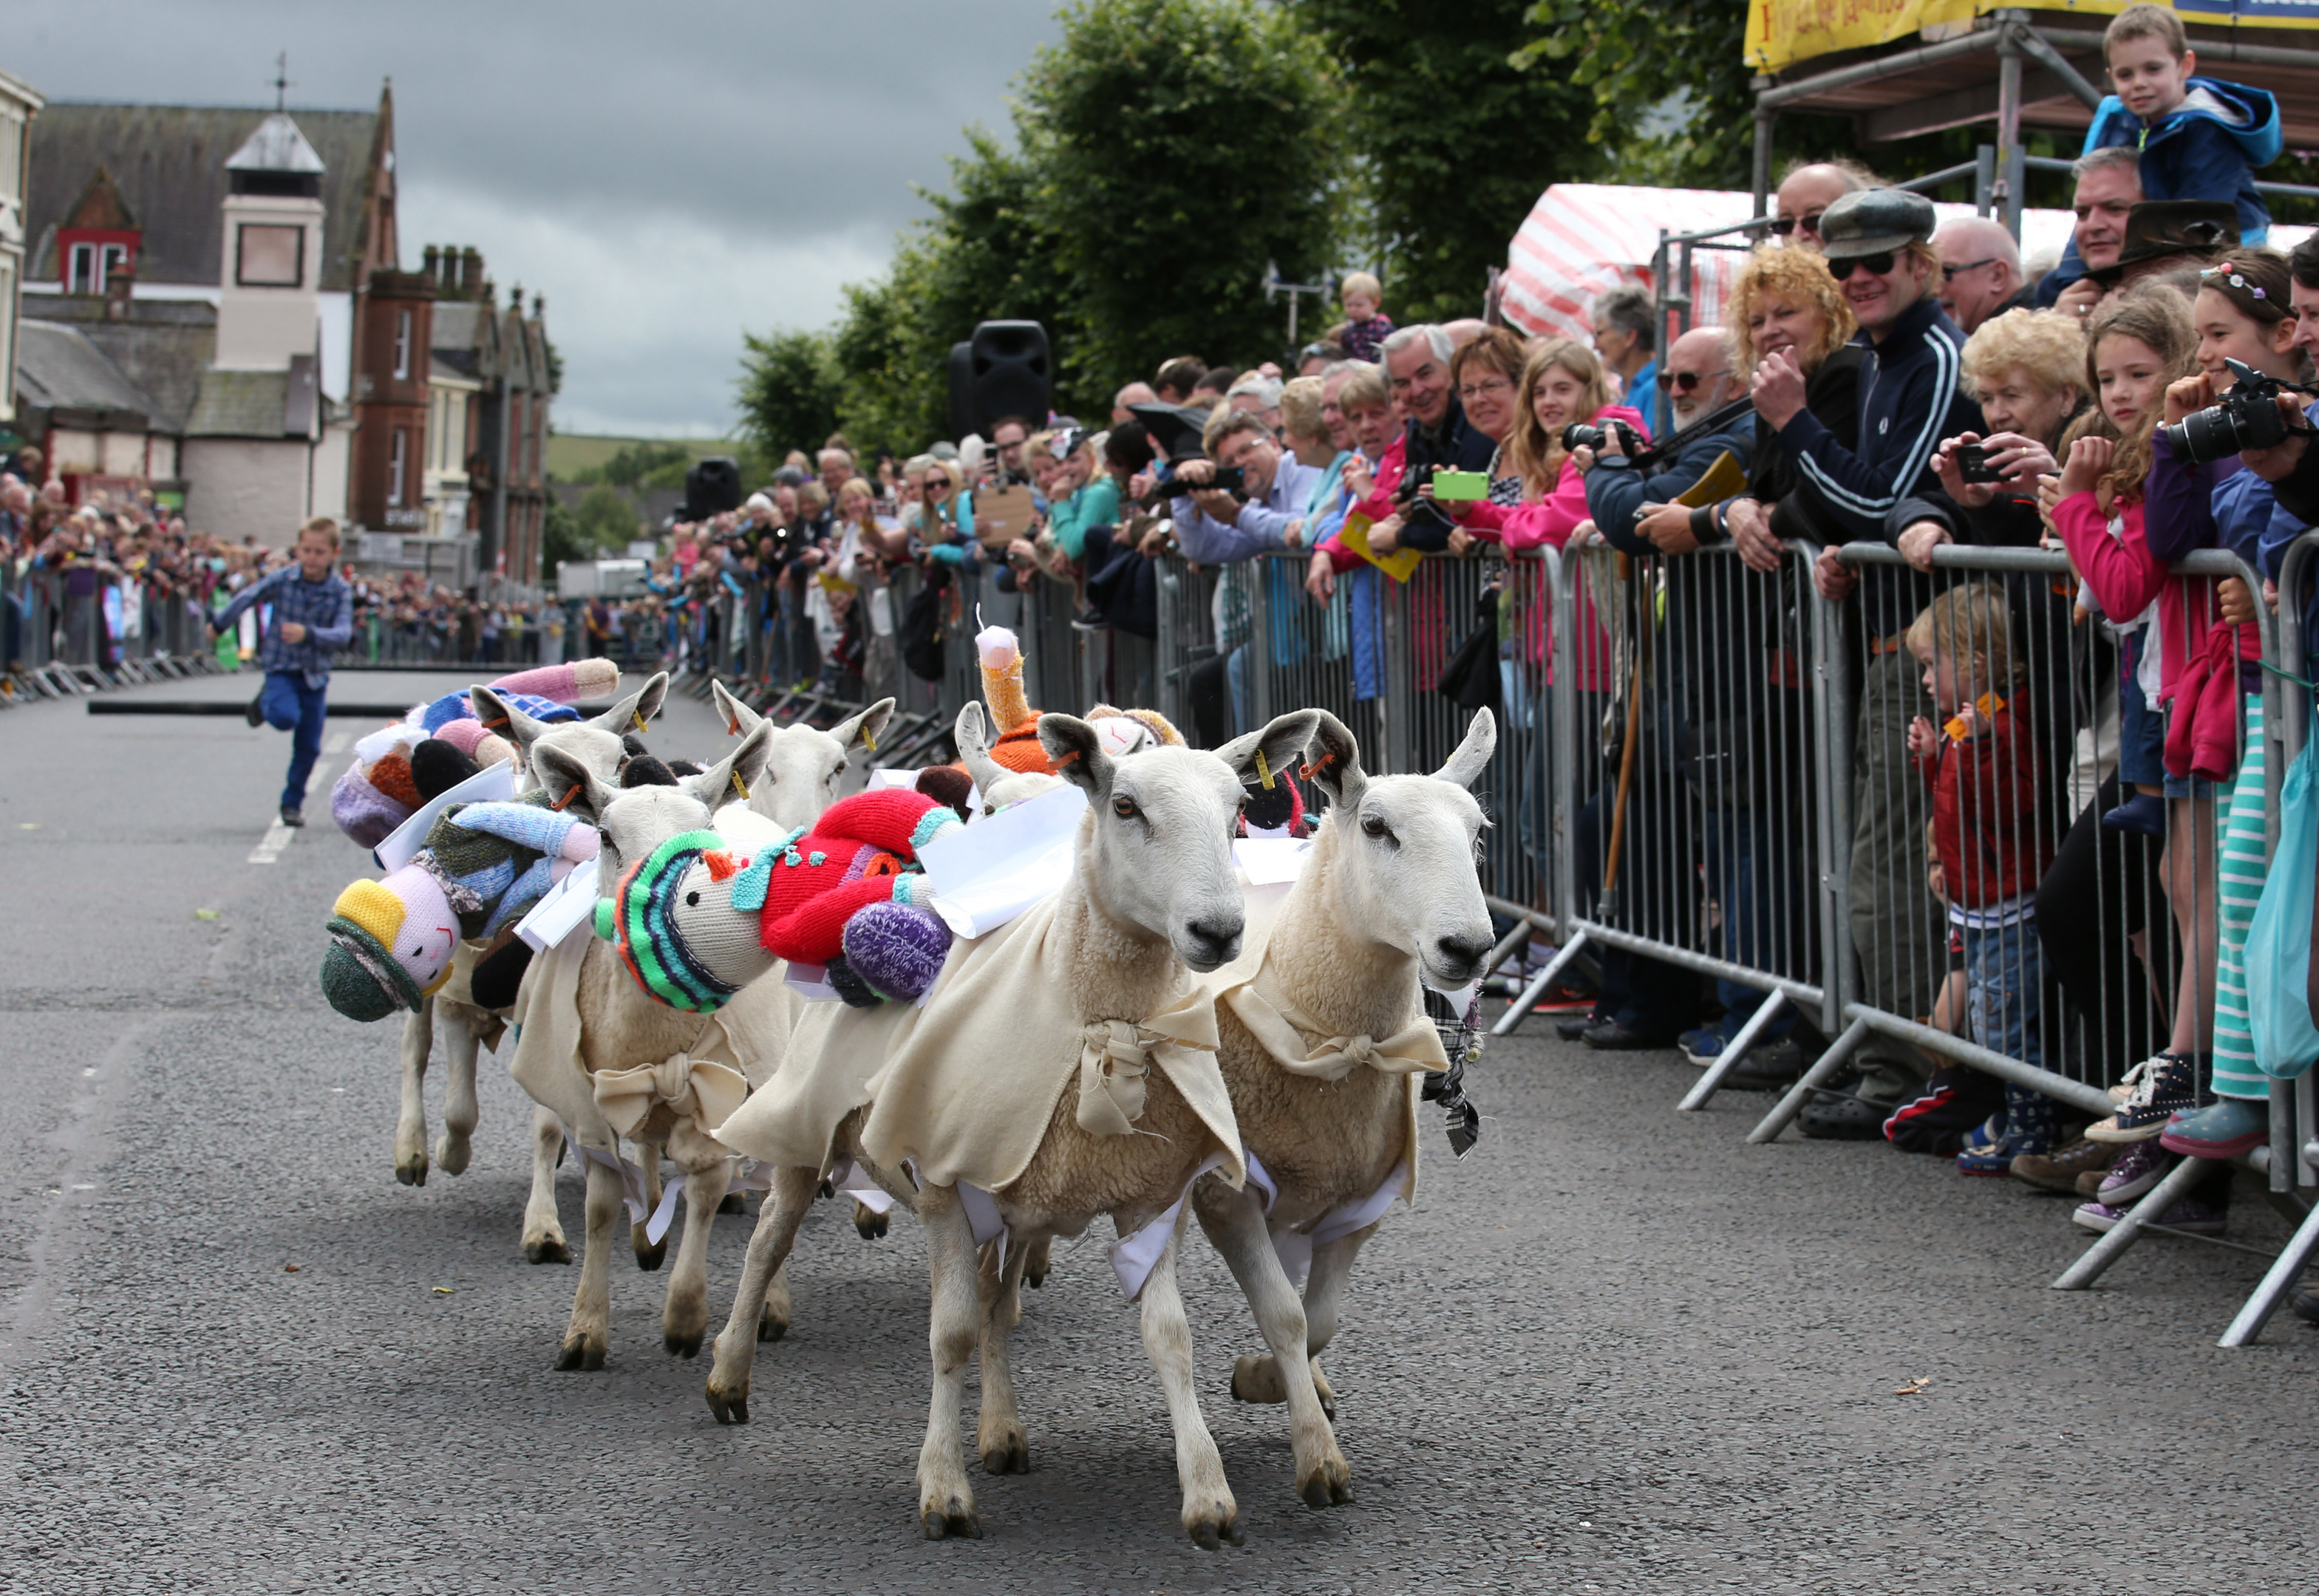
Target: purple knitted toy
[898,947]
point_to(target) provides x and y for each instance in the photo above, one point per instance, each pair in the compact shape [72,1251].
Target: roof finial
[281,80]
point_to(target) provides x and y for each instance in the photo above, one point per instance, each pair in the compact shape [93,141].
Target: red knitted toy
[863,849]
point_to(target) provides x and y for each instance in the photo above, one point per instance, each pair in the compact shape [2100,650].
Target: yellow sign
[1355,535]
[1723,480]
[1782,33]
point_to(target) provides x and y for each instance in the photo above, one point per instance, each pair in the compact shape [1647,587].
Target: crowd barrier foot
[1728,1059]
[1538,988]
[2142,1216]
[2293,1258]
[1783,1112]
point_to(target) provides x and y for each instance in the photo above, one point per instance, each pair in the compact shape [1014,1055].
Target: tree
[644,464]
[606,519]
[789,391]
[1456,141]
[1180,146]
[560,538]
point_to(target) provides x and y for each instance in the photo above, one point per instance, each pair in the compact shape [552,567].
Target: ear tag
[1263,771]
[639,719]
[732,726]
[868,742]
[740,787]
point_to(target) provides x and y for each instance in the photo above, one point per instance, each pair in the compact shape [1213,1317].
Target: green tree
[635,464]
[560,538]
[789,391]
[1180,146]
[1455,140]
[606,519]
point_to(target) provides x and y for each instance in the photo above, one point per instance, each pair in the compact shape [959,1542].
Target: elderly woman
[2028,368]
[1785,300]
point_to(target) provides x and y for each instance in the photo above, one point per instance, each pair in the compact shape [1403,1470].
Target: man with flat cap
[1879,250]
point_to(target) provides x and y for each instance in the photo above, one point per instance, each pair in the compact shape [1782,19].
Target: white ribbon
[1134,1255]
[1293,1245]
[845,1175]
[631,1176]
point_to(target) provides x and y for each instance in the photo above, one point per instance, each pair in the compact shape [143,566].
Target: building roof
[240,404]
[57,368]
[277,146]
[169,163]
[101,208]
[163,346]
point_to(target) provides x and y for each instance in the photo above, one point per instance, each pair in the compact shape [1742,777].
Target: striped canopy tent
[1581,238]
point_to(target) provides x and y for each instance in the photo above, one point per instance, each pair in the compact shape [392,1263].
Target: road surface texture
[1614,1350]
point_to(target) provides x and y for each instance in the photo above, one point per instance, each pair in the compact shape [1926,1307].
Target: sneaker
[2226,1128]
[2199,1219]
[2304,1303]
[1769,1067]
[1571,1027]
[290,817]
[1999,1159]
[1703,1046]
[2145,813]
[1952,1106]
[1612,1037]
[2169,1085]
[1985,1138]
[2061,1171]
[255,715]
[2141,1164]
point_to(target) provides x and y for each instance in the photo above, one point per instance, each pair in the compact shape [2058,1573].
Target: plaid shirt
[325,609]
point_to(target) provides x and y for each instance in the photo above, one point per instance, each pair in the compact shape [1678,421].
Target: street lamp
[1274,288]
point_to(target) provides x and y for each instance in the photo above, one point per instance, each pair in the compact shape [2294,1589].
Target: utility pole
[1274,288]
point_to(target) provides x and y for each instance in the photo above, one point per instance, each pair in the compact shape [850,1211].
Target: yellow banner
[1782,33]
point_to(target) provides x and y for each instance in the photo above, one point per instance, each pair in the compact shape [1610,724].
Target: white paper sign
[985,874]
[567,905]
[1268,861]
[494,783]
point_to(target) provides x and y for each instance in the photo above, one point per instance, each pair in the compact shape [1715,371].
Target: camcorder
[2248,416]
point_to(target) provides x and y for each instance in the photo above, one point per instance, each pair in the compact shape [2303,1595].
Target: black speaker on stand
[1010,374]
[712,486]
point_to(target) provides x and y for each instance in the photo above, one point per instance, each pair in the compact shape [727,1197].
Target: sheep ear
[570,786]
[1075,750]
[1334,757]
[499,715]
[631,713]
[738,717]
[1473,755]
[972,735]
[1281,743]
[864,727]
[730,778]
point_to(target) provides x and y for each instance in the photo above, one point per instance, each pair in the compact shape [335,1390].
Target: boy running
[313,617]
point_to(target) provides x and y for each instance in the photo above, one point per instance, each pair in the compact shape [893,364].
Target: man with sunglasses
[1878,247]
[1981,272]
[1804,195]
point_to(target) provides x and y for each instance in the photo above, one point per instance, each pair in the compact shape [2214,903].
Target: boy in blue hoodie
[2200,137]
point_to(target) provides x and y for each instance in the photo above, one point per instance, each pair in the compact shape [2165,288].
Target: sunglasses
[1949,273]
[1785,225]
[1685,381]
[1877,265]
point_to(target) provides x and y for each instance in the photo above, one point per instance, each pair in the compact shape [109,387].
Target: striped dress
[2238,883]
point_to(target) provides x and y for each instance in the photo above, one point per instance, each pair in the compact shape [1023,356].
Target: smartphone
[1973,466]
[1461,486]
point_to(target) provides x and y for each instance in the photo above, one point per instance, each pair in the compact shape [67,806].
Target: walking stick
[1607,907]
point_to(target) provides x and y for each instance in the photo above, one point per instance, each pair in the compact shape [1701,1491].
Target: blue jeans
[1734,855]
[289,705]
[2004,981]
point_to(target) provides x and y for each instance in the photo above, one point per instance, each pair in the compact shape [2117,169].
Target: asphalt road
[1614,1350]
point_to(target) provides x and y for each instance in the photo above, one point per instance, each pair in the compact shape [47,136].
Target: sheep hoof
[452,1154]
[1007,1454]
[731,1204]
[955,1519]
[1329,1485]
[730,1408]
[869,1225]
[548,1249]
[1215,1528]
[1257,1379]
[411,1171]
[1034,1264]
[771,1327]
[680,1345]
[581,1353]
[648,1253]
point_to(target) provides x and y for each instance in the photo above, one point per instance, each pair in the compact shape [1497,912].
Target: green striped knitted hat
[641,919]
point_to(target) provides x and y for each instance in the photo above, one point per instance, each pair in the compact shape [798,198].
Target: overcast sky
[668,174]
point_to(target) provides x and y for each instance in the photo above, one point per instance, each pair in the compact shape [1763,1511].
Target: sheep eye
[1123,807]
[1375,827]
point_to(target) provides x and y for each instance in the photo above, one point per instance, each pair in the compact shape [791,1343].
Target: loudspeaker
[961,390]
[1010,373]
[712,486]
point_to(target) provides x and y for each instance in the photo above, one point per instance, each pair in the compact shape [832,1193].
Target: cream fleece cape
[833,1053]
[751,1033]
[969,1091]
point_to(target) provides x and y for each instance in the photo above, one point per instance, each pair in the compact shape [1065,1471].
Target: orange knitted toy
[1017,748]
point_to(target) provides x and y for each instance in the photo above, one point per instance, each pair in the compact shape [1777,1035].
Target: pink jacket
[1553,519]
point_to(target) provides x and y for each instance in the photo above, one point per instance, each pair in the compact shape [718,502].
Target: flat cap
[1870,220]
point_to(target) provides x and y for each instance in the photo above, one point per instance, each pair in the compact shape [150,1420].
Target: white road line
[269,849]
[336,742]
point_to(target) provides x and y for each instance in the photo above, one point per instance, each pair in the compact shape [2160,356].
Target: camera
[1973,466]
[1228,479]
[2247,418]
[1616,439]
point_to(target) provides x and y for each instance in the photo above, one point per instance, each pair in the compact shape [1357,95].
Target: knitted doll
[391,940]
[847,893]
[1016,746]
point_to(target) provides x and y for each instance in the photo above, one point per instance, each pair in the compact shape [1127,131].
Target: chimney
[432,266]
[472,281]
[118,284]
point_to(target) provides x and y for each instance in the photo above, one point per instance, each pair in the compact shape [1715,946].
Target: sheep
[465,1027]
[621,1028]
[1154,892]
[803,770]
[1389,893]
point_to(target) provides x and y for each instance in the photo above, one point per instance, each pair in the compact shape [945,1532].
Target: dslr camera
[2247,418]
[1228,479]
[1616,438]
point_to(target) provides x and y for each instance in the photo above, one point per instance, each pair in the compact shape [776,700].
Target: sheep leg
[684,1316]
[589,1333]
[1006,1450]
[542,1232]
[945,1499]
[1234,1222]
[459,1110]
[1210,1515]
[736,1350]
[1034,1262]
[773,1324]
[1324,1295]
[649,1253]
[410,1129]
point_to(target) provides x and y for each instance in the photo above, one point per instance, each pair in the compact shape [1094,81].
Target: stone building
[19,103]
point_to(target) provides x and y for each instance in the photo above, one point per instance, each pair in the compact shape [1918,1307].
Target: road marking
[269,849]
[336,742]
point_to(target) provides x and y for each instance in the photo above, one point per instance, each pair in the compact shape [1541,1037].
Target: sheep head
[804,767]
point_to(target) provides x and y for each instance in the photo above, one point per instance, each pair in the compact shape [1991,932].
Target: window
[395,461]
[268,256]
[402,346]
[87,265]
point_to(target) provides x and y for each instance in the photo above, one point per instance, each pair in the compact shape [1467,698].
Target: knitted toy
[1015,747]
[391,940]
[1274,811]
[671,917]
[846,894]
